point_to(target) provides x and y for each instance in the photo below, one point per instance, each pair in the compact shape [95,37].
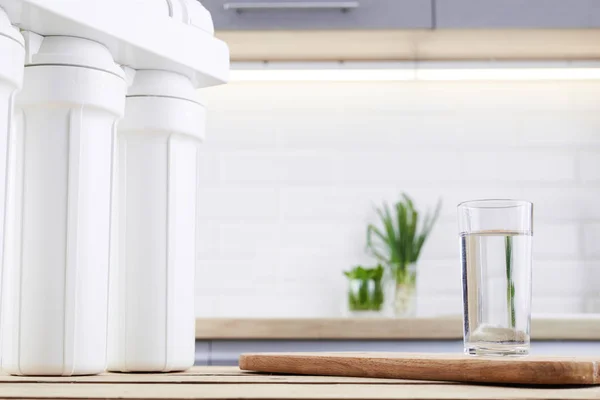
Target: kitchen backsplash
[291,173]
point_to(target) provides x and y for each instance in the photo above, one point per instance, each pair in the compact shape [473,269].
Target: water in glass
[496,275]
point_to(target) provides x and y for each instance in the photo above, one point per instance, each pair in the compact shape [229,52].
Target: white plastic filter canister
[56,259]
[151,318]
[12,51]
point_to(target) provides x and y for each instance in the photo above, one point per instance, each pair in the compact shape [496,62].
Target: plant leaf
[399,239]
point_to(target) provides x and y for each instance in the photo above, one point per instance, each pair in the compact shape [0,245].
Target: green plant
[400,240]
[362,294]
[510,289]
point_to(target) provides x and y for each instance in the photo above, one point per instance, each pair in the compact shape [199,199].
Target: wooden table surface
[231,383]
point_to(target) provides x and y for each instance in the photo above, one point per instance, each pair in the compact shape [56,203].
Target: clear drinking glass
[495,253]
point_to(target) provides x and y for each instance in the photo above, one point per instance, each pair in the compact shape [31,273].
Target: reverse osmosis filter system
[100,124]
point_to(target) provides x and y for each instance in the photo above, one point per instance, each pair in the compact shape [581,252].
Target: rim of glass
[495,203]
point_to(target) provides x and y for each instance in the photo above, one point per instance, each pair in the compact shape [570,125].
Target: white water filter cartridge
[151,318]
[12,59]
[56,258]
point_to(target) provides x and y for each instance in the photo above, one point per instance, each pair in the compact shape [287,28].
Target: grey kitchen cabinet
[202,355]
[516,14]
[227,352]
[320,14]
[240,15]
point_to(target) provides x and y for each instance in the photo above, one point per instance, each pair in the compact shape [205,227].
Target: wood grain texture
[445,367]
[203,375]
[231,383]
[329,328]
[283,392]
[449,44]
[584,327]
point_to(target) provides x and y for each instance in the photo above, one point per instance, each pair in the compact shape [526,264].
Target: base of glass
[497,352]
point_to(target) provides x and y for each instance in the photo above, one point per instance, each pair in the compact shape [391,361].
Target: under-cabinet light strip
[516,74]
[322,75]
[446,71]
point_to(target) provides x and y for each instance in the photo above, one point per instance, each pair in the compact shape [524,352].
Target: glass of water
[495,253]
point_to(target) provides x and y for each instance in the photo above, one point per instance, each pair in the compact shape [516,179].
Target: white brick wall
[291,172]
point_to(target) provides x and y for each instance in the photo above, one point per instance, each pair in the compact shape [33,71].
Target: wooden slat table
[231,383]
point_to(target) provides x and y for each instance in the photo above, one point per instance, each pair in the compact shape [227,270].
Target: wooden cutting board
[528,370]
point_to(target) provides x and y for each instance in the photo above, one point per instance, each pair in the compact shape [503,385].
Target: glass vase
[405,292]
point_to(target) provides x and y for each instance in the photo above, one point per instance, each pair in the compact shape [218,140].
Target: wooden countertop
[230,383]
[571,327]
